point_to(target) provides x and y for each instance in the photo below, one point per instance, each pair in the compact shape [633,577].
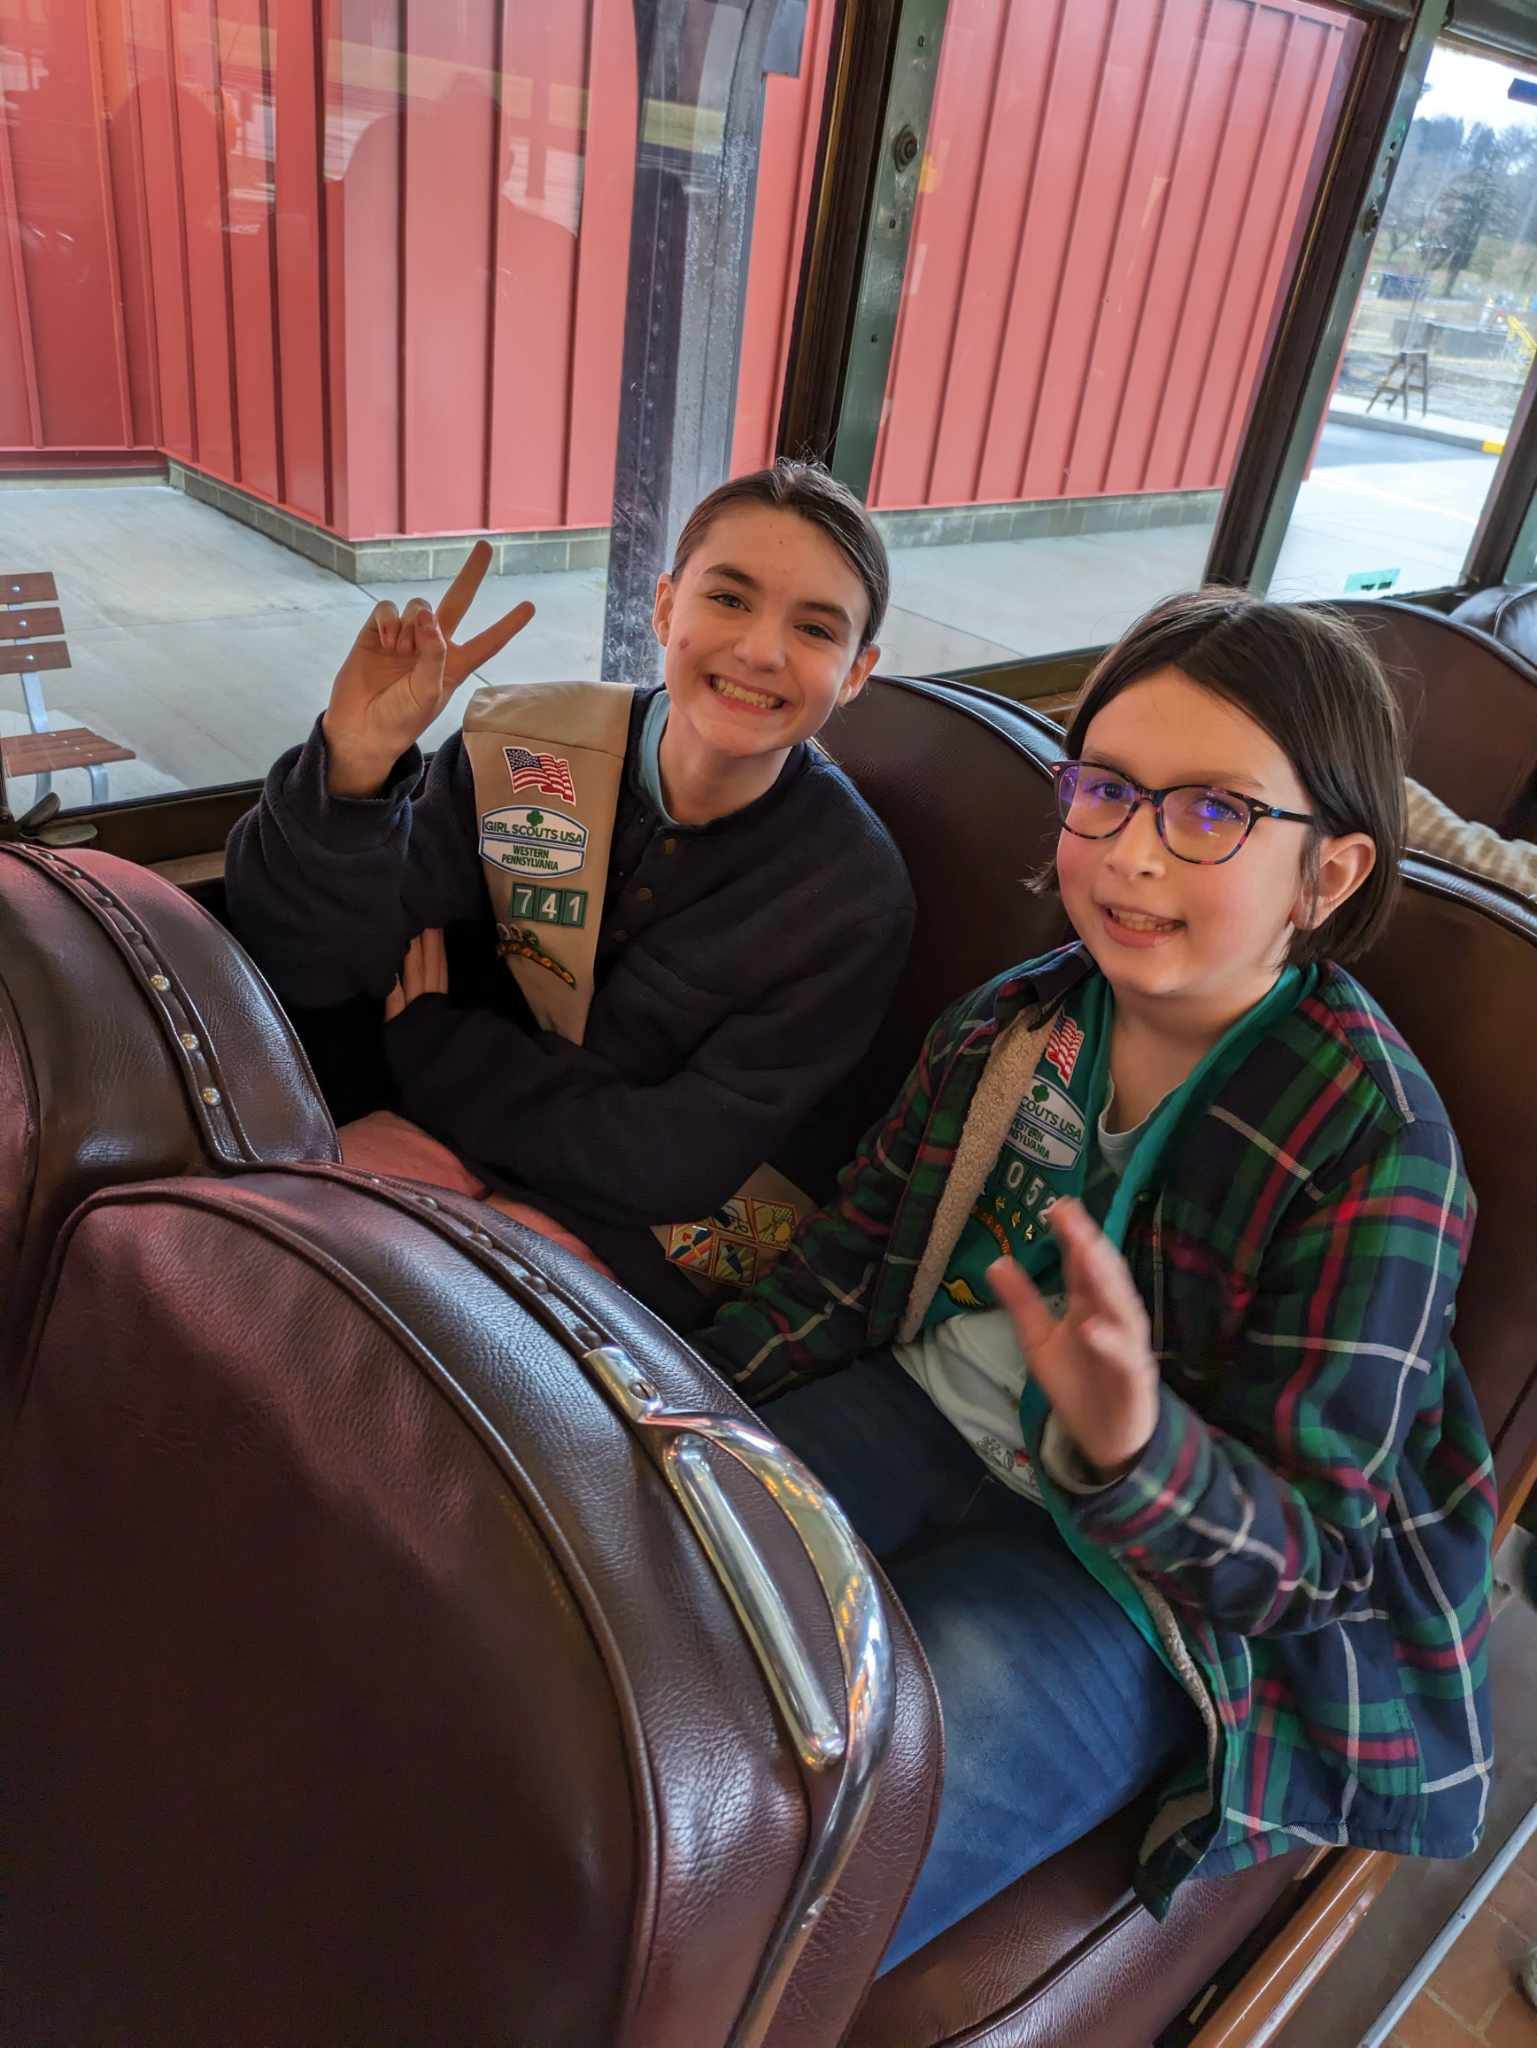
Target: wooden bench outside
[31,642]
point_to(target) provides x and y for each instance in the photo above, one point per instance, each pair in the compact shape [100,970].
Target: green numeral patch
[549,906]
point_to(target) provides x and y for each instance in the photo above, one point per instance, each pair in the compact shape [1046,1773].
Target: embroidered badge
[994,1229]
[550,906]
[692,1246]
[962,1293]
[1047,1129]
[736,1245]
[773,1222]
[521,839]
[546,773]
[524,945]
[1064,1046]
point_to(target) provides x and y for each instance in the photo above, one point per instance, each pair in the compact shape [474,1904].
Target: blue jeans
[1057,1711]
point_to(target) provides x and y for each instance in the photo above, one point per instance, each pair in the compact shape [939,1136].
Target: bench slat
[26,586]
[44,753]
[26,658]
[31,622]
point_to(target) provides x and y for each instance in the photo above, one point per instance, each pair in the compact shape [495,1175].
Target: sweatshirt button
[642,895]
[669,846]
[619,937]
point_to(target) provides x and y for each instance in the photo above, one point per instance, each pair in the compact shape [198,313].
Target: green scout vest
[1046,1156]
[548,761]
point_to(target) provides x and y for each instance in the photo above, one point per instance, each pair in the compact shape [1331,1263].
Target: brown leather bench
[32,642]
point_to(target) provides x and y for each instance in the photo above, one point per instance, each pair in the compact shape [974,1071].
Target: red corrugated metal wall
[1107,213]
[305,246]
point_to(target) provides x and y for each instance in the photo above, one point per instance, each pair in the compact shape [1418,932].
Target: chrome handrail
[859,1735]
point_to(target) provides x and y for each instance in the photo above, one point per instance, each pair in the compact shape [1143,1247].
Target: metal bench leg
[37,718]
[98,784]
[37,710]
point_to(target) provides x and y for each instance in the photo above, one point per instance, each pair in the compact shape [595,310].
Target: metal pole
[701,65]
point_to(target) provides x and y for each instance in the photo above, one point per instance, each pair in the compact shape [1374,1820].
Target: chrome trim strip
[858,1738]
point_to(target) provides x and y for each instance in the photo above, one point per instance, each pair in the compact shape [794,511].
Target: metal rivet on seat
[190,1040]
[211,1096]
[427,1201]
[480,1237]
[158,981]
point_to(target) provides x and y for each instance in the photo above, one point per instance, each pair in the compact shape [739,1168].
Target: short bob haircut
[1309,677]
[814,494]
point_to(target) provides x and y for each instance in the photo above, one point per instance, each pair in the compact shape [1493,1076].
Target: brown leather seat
[1066,1956]
[136,1040]
[1470,709]
[1507,613]
[363,1678]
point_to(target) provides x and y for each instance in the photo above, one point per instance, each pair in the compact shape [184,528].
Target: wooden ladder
[32,641]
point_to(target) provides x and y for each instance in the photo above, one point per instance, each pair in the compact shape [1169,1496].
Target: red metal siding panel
[448,123]
[1123,180]
[1307,110]
[126,159]
[59,174]
[298,199]
[243,90]
[607,197]
[994,216]
[536,218]
[364,153]
[21,420]
[153,118]
[199,115]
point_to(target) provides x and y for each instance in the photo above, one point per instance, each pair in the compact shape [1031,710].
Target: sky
[1474,89]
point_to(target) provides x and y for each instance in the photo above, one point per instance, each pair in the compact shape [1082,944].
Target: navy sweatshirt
[742,969]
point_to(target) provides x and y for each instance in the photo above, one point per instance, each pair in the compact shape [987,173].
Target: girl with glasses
[1127,1343]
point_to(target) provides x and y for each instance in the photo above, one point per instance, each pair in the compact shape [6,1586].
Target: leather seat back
[364,1680]
[136,1040]
[1507,613]
[1470,710]
[959,778]
[1456,971]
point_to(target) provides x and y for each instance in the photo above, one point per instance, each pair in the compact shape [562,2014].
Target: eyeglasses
[1195,822]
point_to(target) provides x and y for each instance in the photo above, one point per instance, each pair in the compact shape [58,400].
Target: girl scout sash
[1046,1153]
[548,760]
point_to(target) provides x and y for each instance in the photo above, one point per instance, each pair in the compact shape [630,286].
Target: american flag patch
[1064,1046]
[547,773]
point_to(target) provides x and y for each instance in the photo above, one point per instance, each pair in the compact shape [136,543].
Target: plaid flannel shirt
[1316,1505]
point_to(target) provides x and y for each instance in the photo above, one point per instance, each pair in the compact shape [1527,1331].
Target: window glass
[1440,345]
[1109,210]
[295,301]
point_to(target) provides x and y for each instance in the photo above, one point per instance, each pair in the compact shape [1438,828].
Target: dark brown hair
[1309,677]
[815,495]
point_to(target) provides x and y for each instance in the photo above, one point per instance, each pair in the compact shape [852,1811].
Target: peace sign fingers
[460,594]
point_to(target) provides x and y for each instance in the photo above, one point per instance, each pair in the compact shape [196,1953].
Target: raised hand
[401,671]
[1095,1362]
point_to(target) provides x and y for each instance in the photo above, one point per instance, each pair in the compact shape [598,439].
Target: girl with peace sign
[744,928]
[1127,1342]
